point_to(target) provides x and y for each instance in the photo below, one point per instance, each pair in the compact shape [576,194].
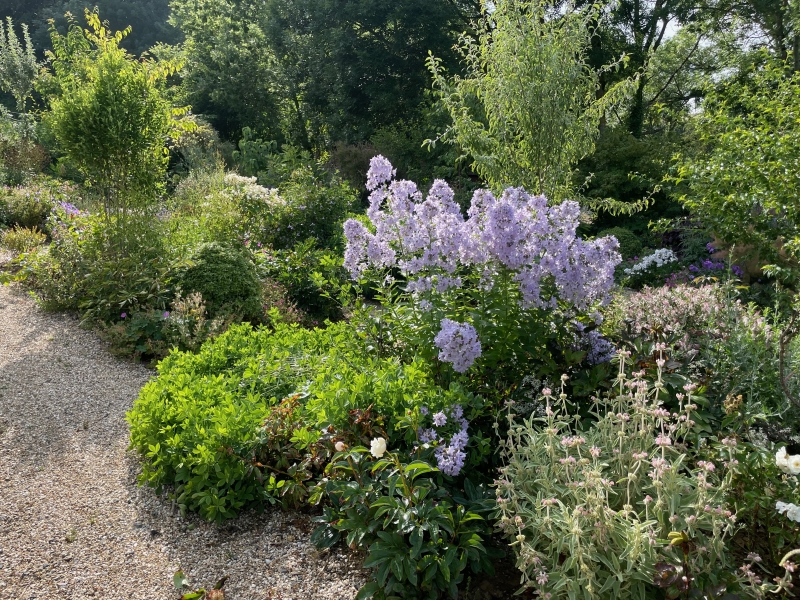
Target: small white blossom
[378,447]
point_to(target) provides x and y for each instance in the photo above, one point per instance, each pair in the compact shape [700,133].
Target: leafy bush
[629,245]
[110,114]
[226,279]
[21,159]
[732,349]
[621,505]
[102,268]
[681,312]
[420,541]
[152,334]
[29,206]
[199,420]
[295,268]
[22,239]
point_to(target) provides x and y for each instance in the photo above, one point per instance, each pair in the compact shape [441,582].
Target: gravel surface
[74,523]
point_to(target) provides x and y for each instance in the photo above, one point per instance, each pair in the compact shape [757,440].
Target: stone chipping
[74,523]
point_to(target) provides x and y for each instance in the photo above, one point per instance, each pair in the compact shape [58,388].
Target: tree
[146,18]
[528,107]
[745,182]
[109,115]
[312,72]
[18,66]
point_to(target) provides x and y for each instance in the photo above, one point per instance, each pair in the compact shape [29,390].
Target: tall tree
[314,70]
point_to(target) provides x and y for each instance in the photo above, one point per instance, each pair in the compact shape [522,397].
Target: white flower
[794,464]
[781,459]
[659,258]
[377,447]
[792,511]
[340,446]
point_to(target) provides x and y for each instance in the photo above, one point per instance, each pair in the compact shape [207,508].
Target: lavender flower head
[380,172]
[459,344]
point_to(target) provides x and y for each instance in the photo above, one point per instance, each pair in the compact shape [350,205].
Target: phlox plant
[500,288]
[615,508]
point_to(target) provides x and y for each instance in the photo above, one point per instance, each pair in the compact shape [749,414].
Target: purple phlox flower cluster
[429,239]
[70,209]
[380,172]
[710,248]
[598,348]
[737,270]
[450,456]
[713,264]
[458,344]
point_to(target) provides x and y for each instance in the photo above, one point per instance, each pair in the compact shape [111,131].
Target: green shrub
[102,268]
[22,239]
[199,420]
[29,206]
[295,268]
[227,281]
[629,244]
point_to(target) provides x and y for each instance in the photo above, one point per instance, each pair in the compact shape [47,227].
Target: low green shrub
[630,245]
[101,268]
[22,239]
[420,541]
[28,206]
[198,424]
[226,279]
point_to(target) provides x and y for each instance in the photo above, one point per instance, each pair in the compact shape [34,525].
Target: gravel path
[73,522]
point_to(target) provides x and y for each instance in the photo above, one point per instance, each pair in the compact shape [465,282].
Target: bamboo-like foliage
[18,66]
[528,107]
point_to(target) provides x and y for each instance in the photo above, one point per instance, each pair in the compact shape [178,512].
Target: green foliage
[226,279]
[295,269]
[22,239]
[101,268]
[146,18]
[308,72]
[745,183]
[153,333]
[18,66]
[20,156]
[420,541]
[527,56]
[629,244]
[606,509]
[28,206]
[109,114]
[198,422]
[756,487]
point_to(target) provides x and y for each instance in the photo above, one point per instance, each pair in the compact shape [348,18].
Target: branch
[675,72]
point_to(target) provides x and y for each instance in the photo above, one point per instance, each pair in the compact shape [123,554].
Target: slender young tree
[18,66]
[527,109]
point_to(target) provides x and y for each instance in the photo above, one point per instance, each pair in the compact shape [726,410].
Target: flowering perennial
[659,258]
[432,244]
[450,456]
[459,344]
